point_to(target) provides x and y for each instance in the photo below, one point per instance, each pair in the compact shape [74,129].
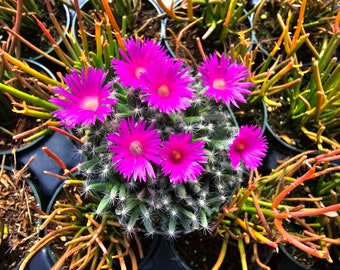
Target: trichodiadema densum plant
[162,147]
[159,204]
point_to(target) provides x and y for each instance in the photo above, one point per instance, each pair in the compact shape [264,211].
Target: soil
[251,115]
[279,121]
[16,200]
[200,252]
[266,29]
[148,22]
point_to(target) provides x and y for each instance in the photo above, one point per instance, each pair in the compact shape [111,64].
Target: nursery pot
[33,55]
[252,114]
[288,260]
[278,146]
[20,146]
[278,150]
[10,198]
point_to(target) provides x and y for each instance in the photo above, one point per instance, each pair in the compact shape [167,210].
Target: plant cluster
[163,151]
[216,19]
[195,26]
[306,83]
[89,240]
[284,208]
[157,146]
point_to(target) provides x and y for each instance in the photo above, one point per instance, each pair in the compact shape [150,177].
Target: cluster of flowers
[161,126]
[165,86]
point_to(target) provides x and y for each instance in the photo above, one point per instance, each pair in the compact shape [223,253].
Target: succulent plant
[158,205]
[156,146]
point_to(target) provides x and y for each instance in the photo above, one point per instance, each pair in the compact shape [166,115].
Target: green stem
[27,97]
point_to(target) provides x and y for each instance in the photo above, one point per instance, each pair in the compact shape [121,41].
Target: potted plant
[197,28]
[19,22]
[146,187]
[161,144]
[315,28]
[25,88]
[310,95]
[20,199]
[299,215]
[88,238]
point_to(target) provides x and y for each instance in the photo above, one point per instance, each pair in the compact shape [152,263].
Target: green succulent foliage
[157,205]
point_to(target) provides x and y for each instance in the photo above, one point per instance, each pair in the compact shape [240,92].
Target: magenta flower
[248,146]
[137,57]
[224,79]
[85,100]
[134,147]
[167,86]
[182,157]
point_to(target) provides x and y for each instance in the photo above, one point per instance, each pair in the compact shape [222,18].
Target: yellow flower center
[219,84]
[163,91]
[136,148]
[176,156]
[89,103]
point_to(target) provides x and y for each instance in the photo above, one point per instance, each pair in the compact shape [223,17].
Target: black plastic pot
[40,261]
[165,257]
[278,150]
[280,143]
